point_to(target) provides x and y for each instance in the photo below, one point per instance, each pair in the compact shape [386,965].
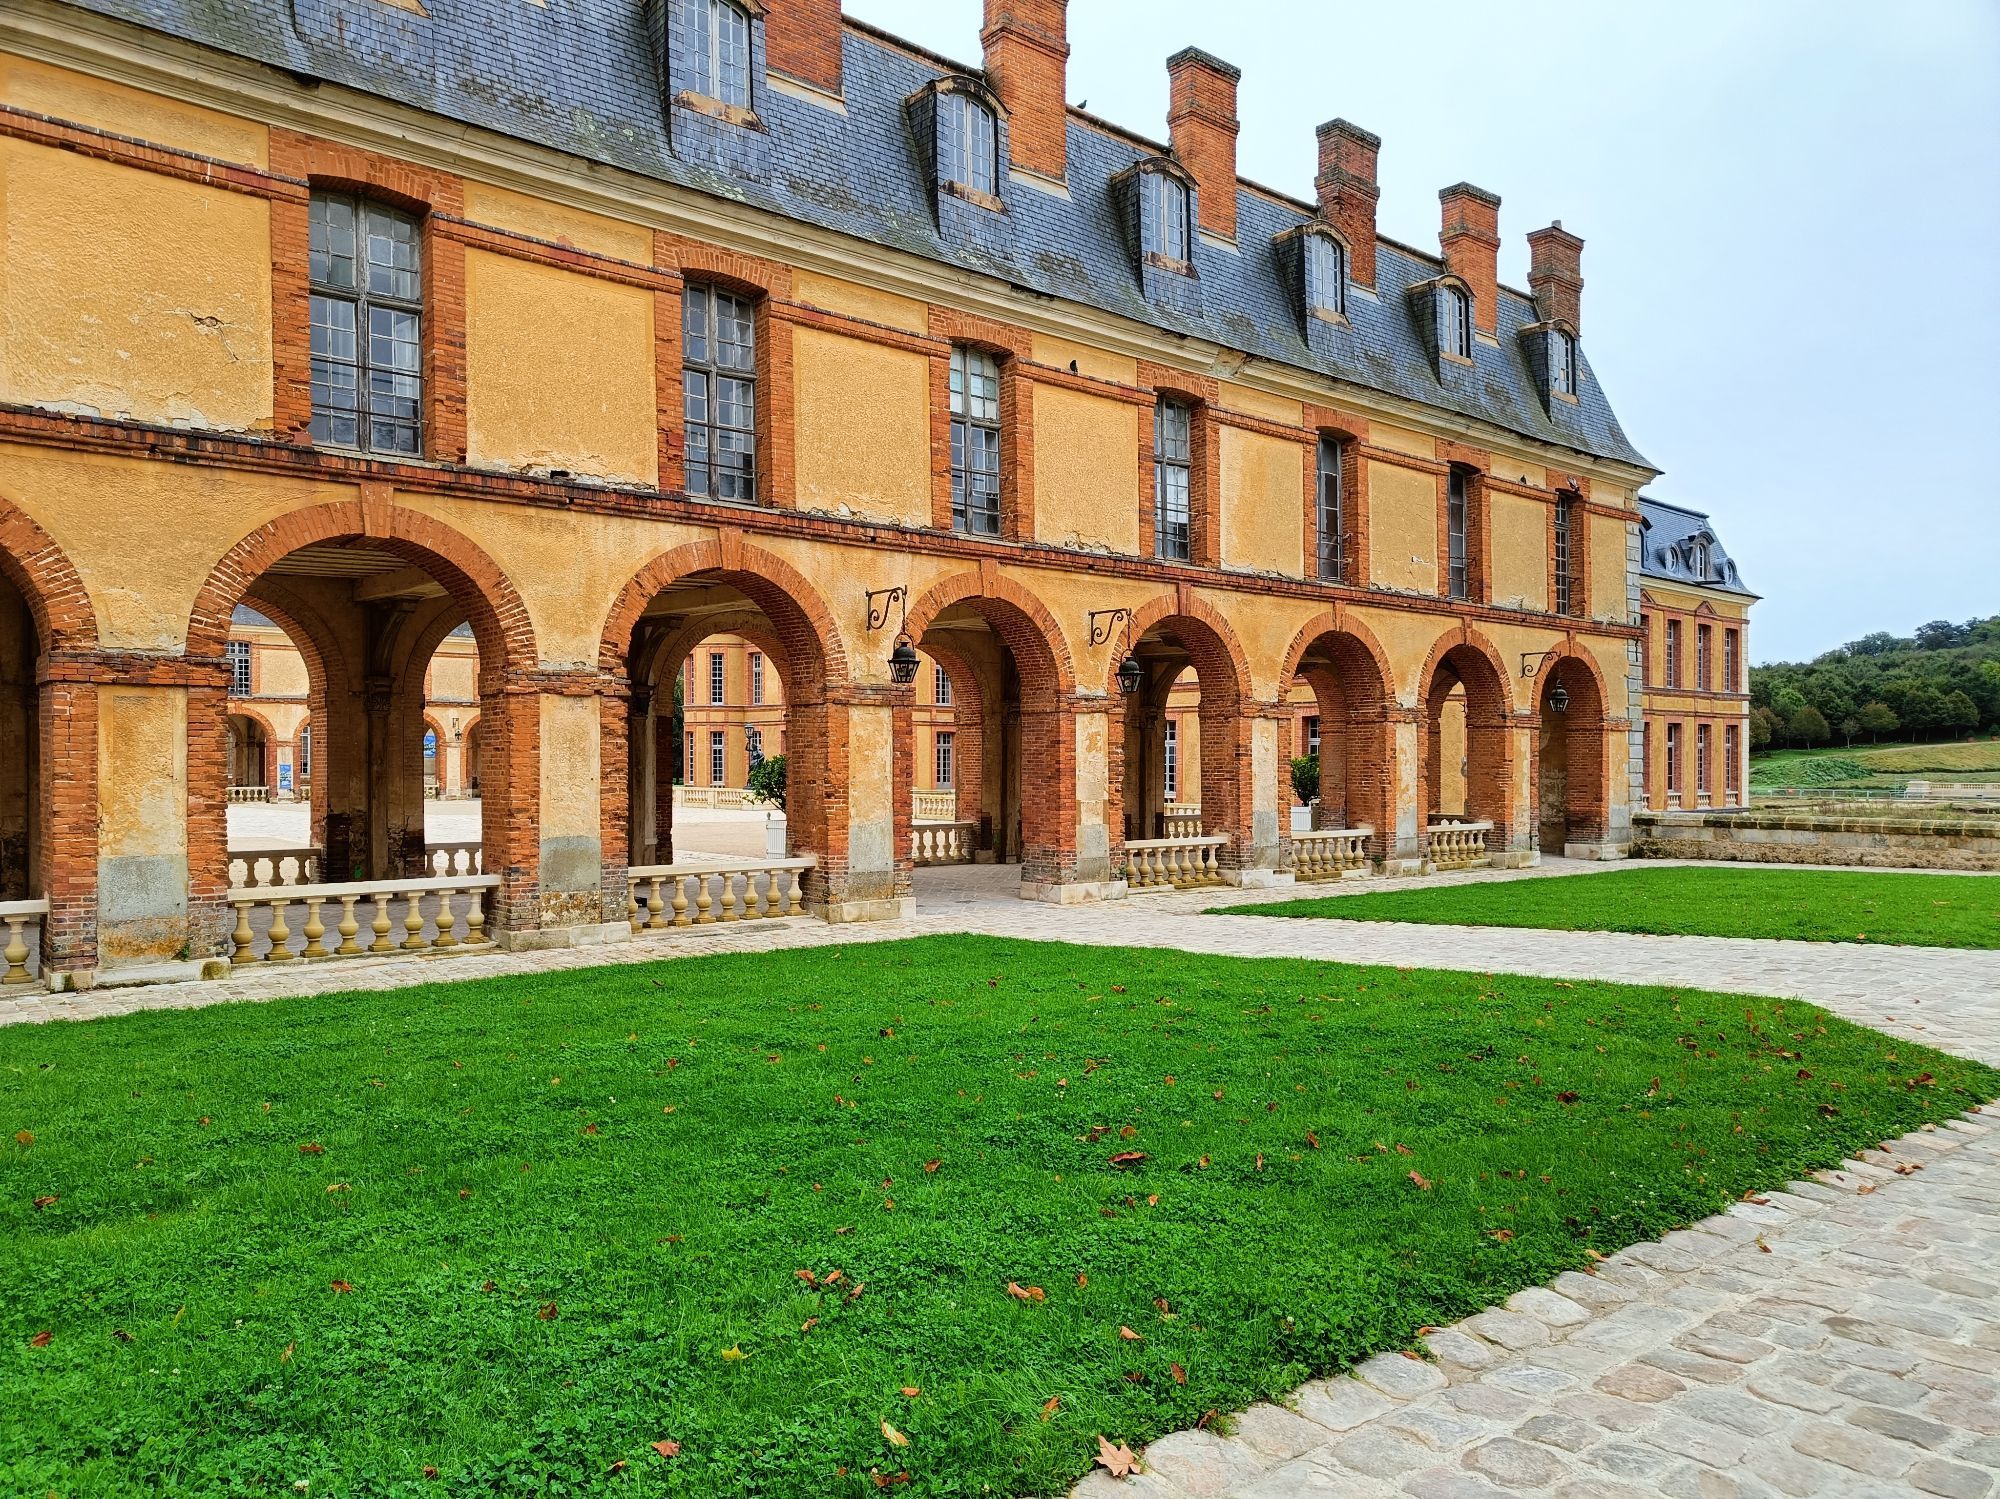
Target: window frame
[1704,656]
[1454,322]
[1732,660]
[700,448]
[944,760]
[1166,219]
[756,661]
[711,71]
[1732,764]
[1330,474]
[325,293]
[1564,558]
[1170,760]
[718,757]
[1171,472]
[1458,535]
[1673,654]
[975,434]
[940,686]
[1320,248]
[962,150]
[718,679]
[237,653]
[1562,362]
[1704,742]
[1673,773]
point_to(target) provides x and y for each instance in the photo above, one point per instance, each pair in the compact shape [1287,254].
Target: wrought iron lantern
[1130,675]
[903,662]
[1559,698]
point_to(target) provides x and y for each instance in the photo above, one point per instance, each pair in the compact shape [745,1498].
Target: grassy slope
[1885,765]
[1809,905]
[653,1152]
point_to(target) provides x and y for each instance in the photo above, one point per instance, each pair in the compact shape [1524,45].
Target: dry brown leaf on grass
[41,1339]
[547,1312]
[1051,1406]
[1119,1461]
[1026,1293]
[1421,1180]
[1179,1374]
[910,1391]
[342,1287]
[1129,1336]
[1126,1158]
[667,1447]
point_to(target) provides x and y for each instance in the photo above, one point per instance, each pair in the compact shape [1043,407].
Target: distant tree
[1829,690]
[1877,719]
[1763,728]
[1923,709]
[1878,644]
[1808,727]
[1940,635]
[1849,727]
[766,781]
[1787,700]
[1960,713]
[1305,778]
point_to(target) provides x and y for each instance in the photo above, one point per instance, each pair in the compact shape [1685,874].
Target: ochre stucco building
[750,320]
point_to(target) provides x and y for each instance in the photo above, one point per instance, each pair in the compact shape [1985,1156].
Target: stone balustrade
[249,793]
[1173,863]
[1459,845]
[1181,822]
[274,868]
[666,895]
[18,916]
[712,798]
[412,907]
[934,806]
[455,858]
[1330,853]
[943,842]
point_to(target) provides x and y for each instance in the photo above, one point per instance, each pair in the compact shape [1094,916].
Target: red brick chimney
[1347,192]
[1027,61]
[802,41]
[1555,275]
[1201,124]
[1471,242]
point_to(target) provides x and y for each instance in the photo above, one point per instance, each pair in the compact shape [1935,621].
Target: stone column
[162,853]
[1404,850]
[862,802]
[1259,852]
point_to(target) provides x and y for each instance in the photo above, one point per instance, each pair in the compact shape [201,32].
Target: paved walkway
[1841,1338]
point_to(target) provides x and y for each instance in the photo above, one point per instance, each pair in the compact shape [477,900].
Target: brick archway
[54,852]
[266,771]
[1571,766]
[479,592]
[1462,658]
[1343,665]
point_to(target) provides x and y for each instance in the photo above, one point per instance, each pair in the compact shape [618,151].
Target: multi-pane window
[1673,765]
[718,758]
[1562,362]
[1565,559]
[719,38]
[1701,743]
[942,760]
[1698,559]
[1326,274]
[1312,734]
[1732,765]
[1704,638]
[1171,773]
[687,759]
[1732,661]
[1455,322]
[1332,511]
[367,320]
[967,151]
[975,442]
[756,677]
[1646,650]
[719,382]
[1173,477]
[306,750]
[1163,216]
[1673,653]
[940,686]
[238,654]
[1459,576]
[716,668]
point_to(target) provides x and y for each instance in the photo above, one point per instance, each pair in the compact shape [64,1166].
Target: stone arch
[788,599]
[1462,658]
[1353,687]
[328,680]
[1571,766]
[1026,618]
[65,619]
[971,705]
[240,709]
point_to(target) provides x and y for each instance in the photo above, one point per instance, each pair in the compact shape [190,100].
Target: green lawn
[1806,905]
[520,1230]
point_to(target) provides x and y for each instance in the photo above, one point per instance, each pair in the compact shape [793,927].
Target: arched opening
[1466,741]
[249,759]
[1012,756]
[727,668]
[1340,694]
[1572,788]
[20,750]
[358,620]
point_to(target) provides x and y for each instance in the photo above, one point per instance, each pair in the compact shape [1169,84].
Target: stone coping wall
[1820,837]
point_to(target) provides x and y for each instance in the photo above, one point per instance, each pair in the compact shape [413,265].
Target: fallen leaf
[1118,1461]
[667,1447]
[1179,1374]
[1312,1139]
[431,1472]
[45,1202]
[1126,1158]
[25,1138]
[1864,1189]
[910,1392]
[342,1287]
[1082,1279]
[618,1467]
[733,1354]
[1128,1335]
[1419,1179]
[590,1129]
[930,1167]
[809,1324]
[1504,1235]
[488,1286]
[340,1187]
[121,1335]
[890,1480]
[547,1312]
[807,1276]
[1051,1406]
[41,1339]
[1260,1160]
[1026,1293]
[283,1358]
[312,1147]
[895,1437]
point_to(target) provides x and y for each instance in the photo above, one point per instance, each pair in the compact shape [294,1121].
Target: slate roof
[582,77]
[1665,532]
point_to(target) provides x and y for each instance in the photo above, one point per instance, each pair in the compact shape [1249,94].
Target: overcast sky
[1791,211]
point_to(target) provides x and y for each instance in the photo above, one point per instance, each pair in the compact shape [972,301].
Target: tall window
[1701,743]
[757,677]
[1698,558]
[306,750]
[1455,322]
[1704,638]
[1312,734]
[237,652]
[1163,216]
[1732,765]
[1459,577]
[1732,661]
[720,42]
[1673,653]
[1332,511]
[719,381]
[367,315]
[718,759]
[687,759]
[1562,362]
[940,686]
[1565,554]
[1673,765]
[1326,274]
[1171,774]
[942,763]
[716,694]
[975,442]
[1172,477]
[968,153]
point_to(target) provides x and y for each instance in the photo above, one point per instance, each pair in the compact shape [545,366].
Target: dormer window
[1698,558]
[1163,217]
[968,145]
[1562,362]
[1326,275]
[1454,322]
[719,37]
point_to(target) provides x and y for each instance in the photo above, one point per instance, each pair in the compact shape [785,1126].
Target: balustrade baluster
[447,923]
[315,928]
[413,923]
[380,925]
[475,918]
[348,928]
[17,952]
[704,907]
[243,937]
